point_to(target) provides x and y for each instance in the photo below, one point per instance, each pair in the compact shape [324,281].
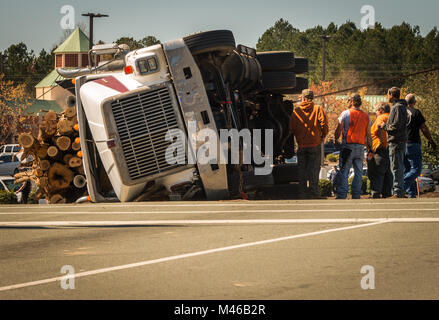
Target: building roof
[50,80]
[37,106]
[76,42]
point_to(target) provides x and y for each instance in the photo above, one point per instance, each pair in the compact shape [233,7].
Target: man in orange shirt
[378,168]
[309,125]
[354,126]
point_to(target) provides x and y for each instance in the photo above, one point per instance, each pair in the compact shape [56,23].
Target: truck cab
[129,107]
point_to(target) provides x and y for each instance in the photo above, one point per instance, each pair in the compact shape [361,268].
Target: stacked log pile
[57,158]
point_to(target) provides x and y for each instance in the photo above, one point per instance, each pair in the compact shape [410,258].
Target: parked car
[9,164]
[426,185]
[426,171]
[7,184]
[435,174]
[10,148]
[330,147]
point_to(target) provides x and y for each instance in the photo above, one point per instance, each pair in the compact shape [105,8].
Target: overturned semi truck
[129,106]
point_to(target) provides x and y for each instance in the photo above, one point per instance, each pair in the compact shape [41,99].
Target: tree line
[373,54]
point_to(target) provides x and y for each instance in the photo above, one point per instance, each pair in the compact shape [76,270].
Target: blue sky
[37,23]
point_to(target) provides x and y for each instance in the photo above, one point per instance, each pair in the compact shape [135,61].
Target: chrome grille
[142,121]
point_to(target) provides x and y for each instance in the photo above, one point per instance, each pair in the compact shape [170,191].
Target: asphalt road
[222,250]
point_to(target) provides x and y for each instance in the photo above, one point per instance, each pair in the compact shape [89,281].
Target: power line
[378,82]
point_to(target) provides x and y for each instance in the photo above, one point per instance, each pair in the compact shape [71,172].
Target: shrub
[325,187]
[365,187]
[332,157]
[7,197]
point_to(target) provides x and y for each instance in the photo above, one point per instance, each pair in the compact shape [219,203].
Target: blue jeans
[397,151]
[413,168]
[354,159]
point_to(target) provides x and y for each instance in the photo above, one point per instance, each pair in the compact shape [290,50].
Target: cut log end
[26,140]
[52,151]
[79,181]
[70,112]
[60,176]
[75,162]
[57,199]
[63,143]
[76,146]
[45,165]
[65,126]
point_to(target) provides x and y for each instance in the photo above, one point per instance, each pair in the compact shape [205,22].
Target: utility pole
[92,16]
[322,157]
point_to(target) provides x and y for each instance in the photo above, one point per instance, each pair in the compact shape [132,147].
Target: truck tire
[276,60]
[301,84]
[300,65]
[278,80]
[216,40]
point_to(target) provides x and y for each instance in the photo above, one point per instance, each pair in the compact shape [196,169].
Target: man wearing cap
[309,125]
[355,126]
[413,154]
[396,128]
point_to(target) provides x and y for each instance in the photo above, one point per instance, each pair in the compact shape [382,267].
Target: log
[45,165]
[65,127]
[80,170]
[26,140]
[60,176]
[43,183]
[37,173]
[75,162]
[47,130]
[57,199]
[79,181]
[51,116]
[42,151]
[63,143]
[76,146]
[67,158]
[52,151]
[70,112]
[74,120]
[21,180]
[71,101]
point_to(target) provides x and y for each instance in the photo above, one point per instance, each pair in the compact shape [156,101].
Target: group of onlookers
[393,145]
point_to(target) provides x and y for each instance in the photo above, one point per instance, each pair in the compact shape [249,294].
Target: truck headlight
[147,65]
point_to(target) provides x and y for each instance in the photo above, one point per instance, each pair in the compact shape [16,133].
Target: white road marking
[204,222]
[222,204]
[27,212]
[183,256]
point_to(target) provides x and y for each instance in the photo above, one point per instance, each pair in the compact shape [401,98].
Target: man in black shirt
[413,154]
